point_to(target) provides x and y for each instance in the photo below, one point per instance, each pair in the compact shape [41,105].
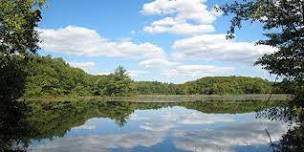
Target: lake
[149,127]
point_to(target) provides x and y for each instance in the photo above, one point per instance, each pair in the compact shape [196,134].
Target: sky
[164,40]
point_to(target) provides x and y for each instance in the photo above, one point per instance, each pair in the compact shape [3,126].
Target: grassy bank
[167,98]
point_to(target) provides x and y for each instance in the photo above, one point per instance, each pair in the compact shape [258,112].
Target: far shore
[167,98]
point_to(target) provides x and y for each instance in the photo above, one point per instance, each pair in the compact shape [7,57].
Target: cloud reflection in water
[184,129]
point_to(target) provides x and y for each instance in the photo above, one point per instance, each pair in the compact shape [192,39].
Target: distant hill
[207,85]
[49,76]
[226,85]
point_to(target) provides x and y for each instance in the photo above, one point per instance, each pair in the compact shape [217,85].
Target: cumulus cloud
[197,70]
[157,62]
[85,127]
[168,25]
[87,42]
[181,16]
[136,73]
[216,47]
[172,70]
[103,73]
[86,66]
[83,41]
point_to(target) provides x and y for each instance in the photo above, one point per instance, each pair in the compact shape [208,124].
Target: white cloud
[157,62]
[83,41]
[135,73]
[87,42]
[178,71]
[86,66]
[186,16]
[217,48]
[201,69]
[165,26]
[85,127]
[186,72]
[103,73]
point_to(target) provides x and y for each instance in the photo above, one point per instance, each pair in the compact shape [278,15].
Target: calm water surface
[168,129]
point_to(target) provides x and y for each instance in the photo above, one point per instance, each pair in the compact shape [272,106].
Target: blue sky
[171,41]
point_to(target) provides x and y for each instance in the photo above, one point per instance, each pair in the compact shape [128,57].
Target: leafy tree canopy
[18,19]
[283,23]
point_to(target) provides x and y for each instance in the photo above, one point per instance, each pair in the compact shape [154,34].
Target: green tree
[283,24]
[18,19]
[120,84]
[18,39]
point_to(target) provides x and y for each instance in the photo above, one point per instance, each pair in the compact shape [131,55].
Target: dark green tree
[283,24]
[18,40]
[120,84]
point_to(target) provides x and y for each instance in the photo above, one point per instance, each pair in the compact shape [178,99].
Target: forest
[24,73]
[47,76]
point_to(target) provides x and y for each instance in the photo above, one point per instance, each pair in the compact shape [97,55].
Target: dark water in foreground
[182,127]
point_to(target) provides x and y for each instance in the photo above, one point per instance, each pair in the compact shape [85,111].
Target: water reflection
[172,127]
[293,114]
[13,127]
[231,137]
[120,126]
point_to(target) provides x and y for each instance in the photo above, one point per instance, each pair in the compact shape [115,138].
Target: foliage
[18,19]
[12,77]
[18,39]
[292,141]
[119,83]
[54,119]
[227,85]
[154,87]
[283,23]
[207,85]
[49,76]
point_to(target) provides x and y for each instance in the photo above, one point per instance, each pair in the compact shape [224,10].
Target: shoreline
[166,98]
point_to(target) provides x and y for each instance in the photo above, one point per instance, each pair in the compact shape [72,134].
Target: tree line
[47,76]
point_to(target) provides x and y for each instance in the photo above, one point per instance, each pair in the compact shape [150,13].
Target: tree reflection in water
[12,113]
[293,113]
[54,119]
[13,127]
[18,125]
